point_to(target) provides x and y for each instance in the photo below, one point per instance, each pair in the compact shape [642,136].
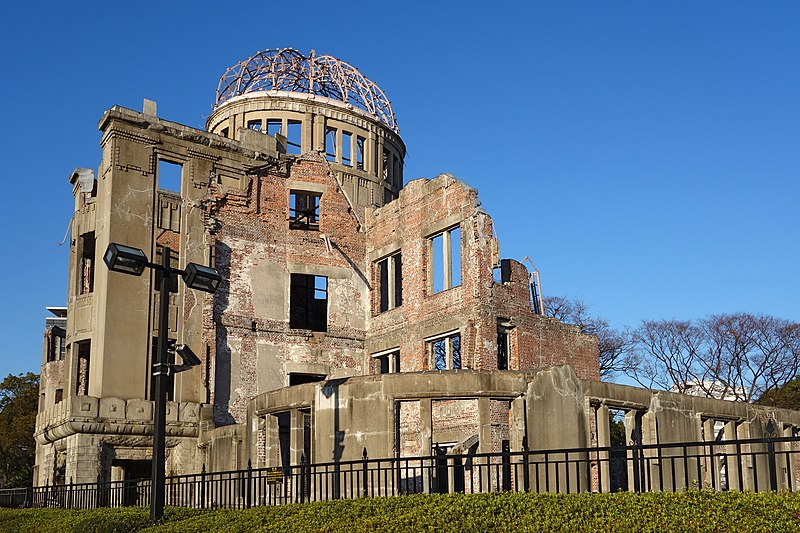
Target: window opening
[284,438]
[347,144]
[294,136]
[503,346]
[330,143]
[254,125]
[224,132]
[445,352]
[59,395]
[169,176]
[396,175]
[387,157]
[298,378]
[390,283]
[304,210]
[446,260]
[386,362]
[360,152]
[308,305]
[86,281]
[84,354]
[274,126]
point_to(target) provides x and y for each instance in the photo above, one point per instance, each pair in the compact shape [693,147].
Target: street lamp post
[133,261]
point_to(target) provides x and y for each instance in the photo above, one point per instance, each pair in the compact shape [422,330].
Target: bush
[698,510]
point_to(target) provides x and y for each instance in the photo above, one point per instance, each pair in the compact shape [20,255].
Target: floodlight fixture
[125,259]
[187,356]
[201,277]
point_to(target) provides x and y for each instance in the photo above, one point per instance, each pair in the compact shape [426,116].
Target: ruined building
[357,310]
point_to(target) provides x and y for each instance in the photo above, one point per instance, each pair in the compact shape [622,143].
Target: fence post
[772,432]
[526,480]
[249,490]
[203,487]
[69,494]
[364,472]
[302,478]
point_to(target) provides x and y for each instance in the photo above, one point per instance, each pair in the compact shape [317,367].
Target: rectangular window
[386,362]
[396,174]
[390,282]
[298,378]
[386,165]
[304,210]
[254,125]
[84,354]
[294,137]
[224,132]
[445,254]
[330,143]
[445,352]
[360,152]
[87,254]
[347,142]
[169,176]
[308,304]
[59,395]
[503,346]
[274,126]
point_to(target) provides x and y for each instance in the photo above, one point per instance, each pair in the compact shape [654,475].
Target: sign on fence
[274,475]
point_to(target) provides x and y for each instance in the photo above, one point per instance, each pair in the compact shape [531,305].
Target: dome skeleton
[289,70]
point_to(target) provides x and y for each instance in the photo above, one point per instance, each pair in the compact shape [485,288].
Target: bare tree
[734,356]
[614,346]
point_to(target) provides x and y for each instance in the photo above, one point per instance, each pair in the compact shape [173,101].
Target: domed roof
[289,70]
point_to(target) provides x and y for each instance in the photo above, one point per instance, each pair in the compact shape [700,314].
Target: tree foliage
[614,345]
[737,356]
[19,397]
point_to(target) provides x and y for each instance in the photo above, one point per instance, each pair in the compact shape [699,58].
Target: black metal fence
[753,464]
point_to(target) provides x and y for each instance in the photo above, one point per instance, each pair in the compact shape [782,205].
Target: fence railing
[752,464]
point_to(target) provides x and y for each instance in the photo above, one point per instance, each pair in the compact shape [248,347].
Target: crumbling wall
[256,252]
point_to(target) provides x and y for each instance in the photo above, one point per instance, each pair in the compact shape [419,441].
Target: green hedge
[698,510]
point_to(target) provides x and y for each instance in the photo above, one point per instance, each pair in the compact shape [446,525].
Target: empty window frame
[274,126]
[308,302]
[304,210]
[82,378]
[390,282]
[347,148]
[298,378]
[444,352]
[386,362]
[169,176]
[396,174]
[445,254]
[59,395]
[360,152]
[87,256]
[330,143]
[294,136]
[254,125]
[504,336]
[386,164]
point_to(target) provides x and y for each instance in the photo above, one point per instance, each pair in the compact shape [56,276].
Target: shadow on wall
[331,389]
[222,359]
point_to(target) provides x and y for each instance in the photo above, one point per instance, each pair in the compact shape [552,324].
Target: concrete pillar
[603,440]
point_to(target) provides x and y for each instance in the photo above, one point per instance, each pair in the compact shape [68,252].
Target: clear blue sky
[645,155]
